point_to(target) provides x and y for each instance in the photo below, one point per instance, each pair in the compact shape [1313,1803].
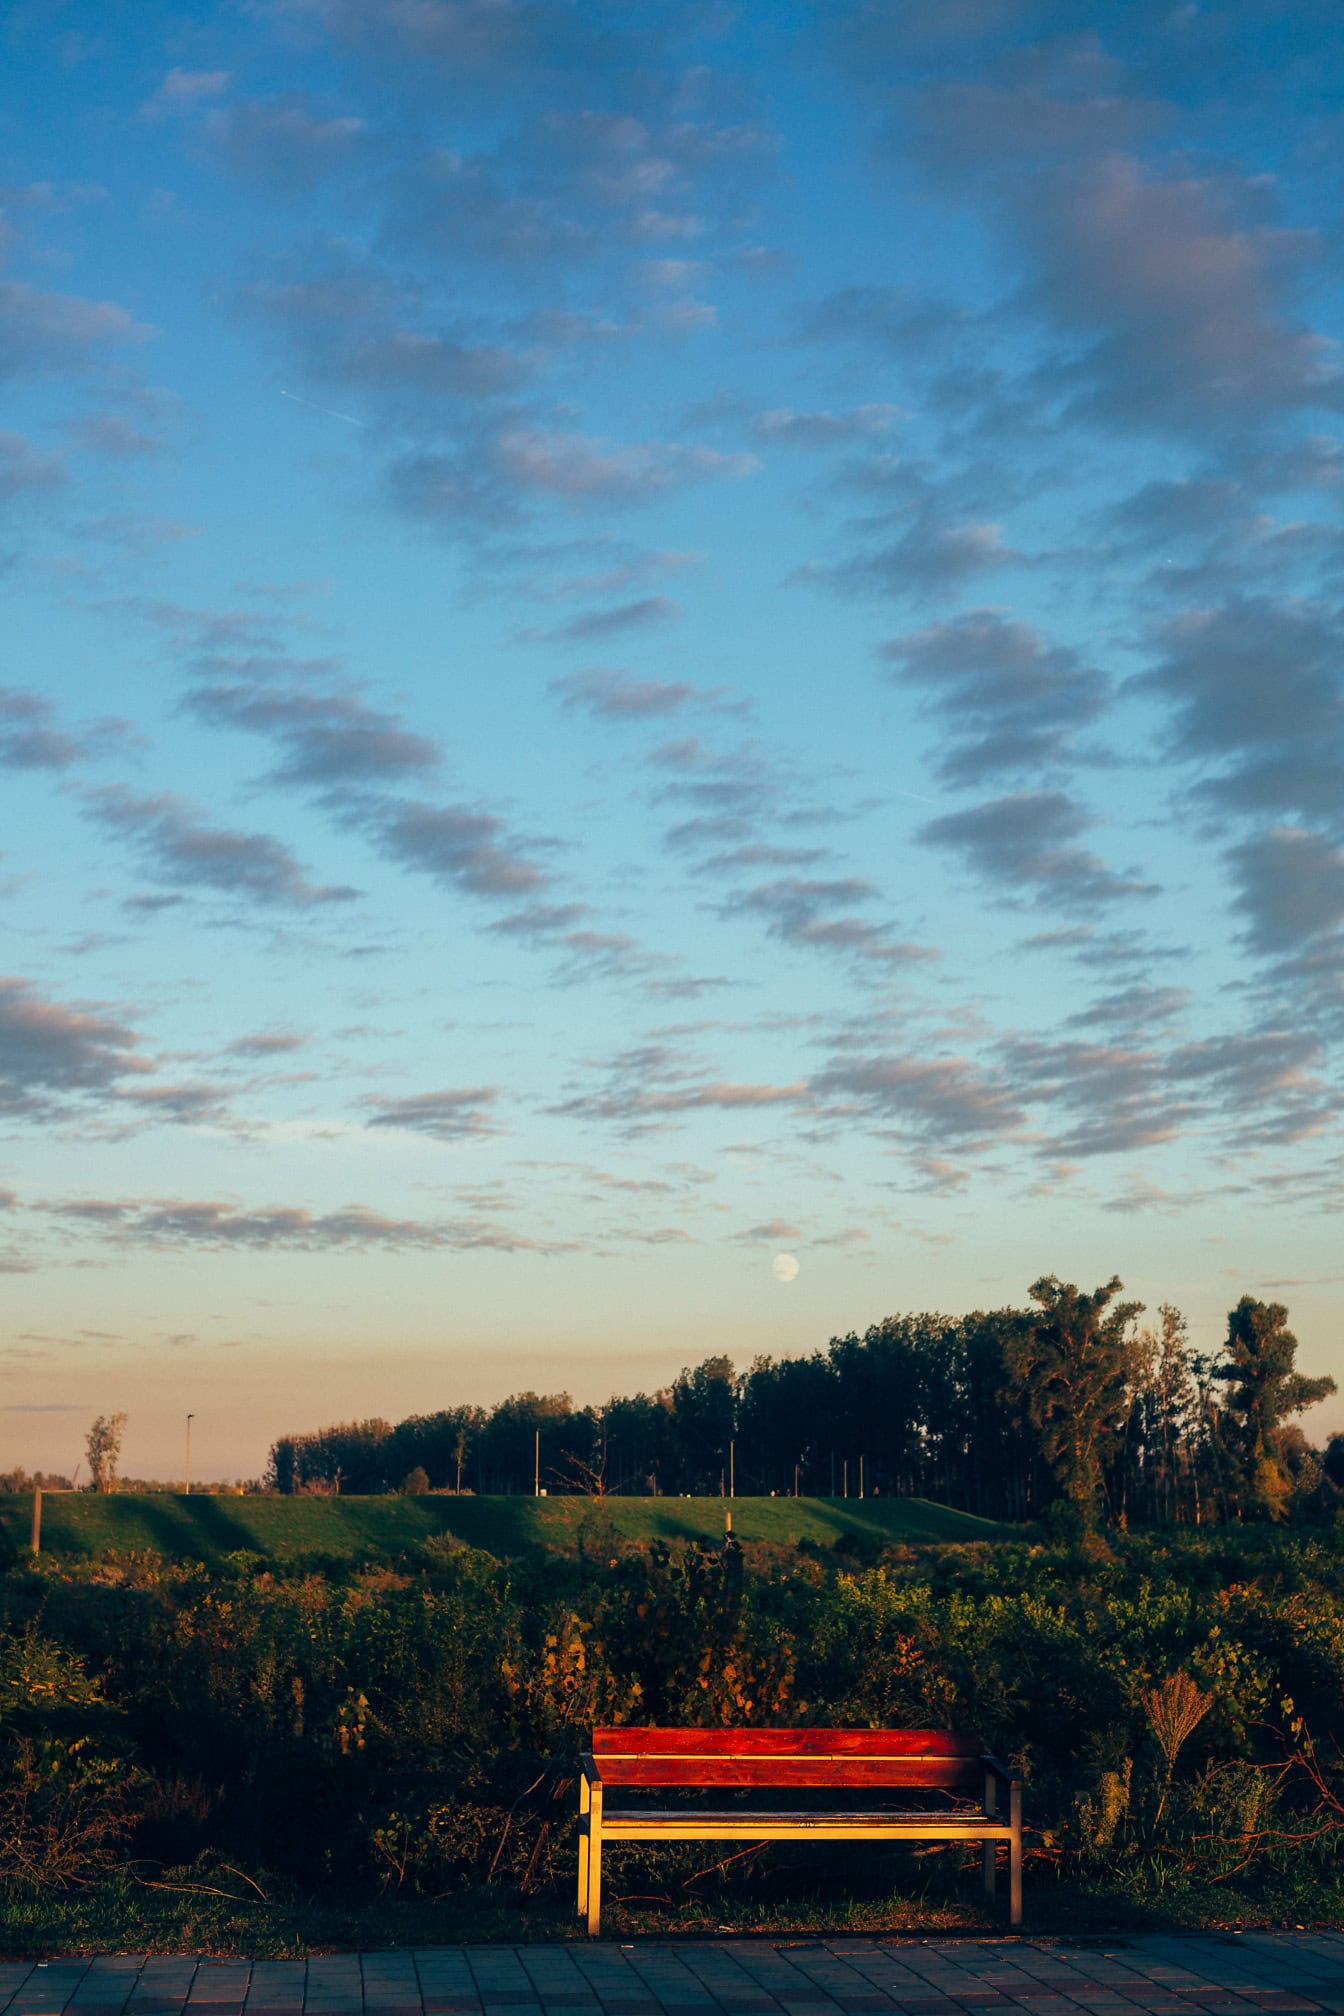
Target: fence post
[37,1519]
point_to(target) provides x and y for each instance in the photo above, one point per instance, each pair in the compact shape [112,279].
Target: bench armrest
[590,1767]
[1000,1771]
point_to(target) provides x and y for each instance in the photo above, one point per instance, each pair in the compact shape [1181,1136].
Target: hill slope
[199,1527]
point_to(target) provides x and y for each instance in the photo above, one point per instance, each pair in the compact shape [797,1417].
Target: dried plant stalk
[1175,1709]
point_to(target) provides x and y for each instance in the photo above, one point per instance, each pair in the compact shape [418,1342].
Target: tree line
[1071,1406]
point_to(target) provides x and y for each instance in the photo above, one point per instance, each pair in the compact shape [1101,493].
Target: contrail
[330,411]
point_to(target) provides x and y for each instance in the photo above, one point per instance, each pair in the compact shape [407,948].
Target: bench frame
[780,1759]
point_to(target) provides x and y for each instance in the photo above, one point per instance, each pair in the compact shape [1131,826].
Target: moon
[784,1267]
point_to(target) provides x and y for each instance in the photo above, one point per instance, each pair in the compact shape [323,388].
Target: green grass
[210,1908]
[202,1527]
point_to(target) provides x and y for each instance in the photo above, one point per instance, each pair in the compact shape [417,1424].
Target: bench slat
[760,1825]
[784,1743]
[785,1772]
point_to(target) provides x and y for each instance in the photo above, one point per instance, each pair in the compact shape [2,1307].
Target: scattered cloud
[25,470]
[951,1100]
[1290,887]
[646,1088]
[327,738]
[48,1048]
[184,91]
[29,736]
[824,429]
[592,625]
[1027,841]
[161,1223]
[44,334]
[176,846]
[458,1115]
[456,846]
[617,696]
[818,915]
[283,146]
[1007,701]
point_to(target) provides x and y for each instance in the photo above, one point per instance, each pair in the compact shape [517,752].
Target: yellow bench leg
[989,1850]
[595,1863]
[582,1908]
[1015,1858]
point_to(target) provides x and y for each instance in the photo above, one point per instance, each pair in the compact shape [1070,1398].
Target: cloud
[760,854]
[568,181]
[639,614]
[24,469]
[901,320]
[44,334]
[352,326]
[29,738]
[929,558]
[48,1048]
[328,737]
[1179,287]
[1256,1086]
[615,696]
[456,1115]
[462,44]
[1135,1010]
[192,1103]
[112,435]
[1290,887]
[947,1099]
[177,847]
[178,1222]
[815,915]
[266,1043]
[283,146]
[454,844]
[587,953]
[574,467]
[183,91]
[1009,701]
[824,429]
[1026,840]
[1170,292]
[648,1087]
[1115,1091]
[1255,687]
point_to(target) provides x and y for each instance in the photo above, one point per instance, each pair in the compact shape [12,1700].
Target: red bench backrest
[784,1757]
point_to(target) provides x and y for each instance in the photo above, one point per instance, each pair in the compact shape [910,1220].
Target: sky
[643,641]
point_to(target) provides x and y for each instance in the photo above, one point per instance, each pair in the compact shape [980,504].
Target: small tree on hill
[102,1447]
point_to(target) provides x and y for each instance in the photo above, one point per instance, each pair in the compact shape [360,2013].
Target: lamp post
[190,1419]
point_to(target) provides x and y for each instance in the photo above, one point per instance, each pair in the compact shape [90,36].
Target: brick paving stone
[1250,1974]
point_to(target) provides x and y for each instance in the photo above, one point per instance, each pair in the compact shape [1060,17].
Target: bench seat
[672,1823]
[875,1762]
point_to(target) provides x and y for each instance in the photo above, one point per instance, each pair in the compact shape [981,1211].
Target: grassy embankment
[80,1524]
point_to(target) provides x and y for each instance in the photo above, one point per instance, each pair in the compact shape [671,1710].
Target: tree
[1264,1390]
[1071,1361]
[1164,1417]
[102,1447]
[704,1405]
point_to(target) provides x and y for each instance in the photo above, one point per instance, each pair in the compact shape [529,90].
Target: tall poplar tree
[1070,1361]
[1263,1391]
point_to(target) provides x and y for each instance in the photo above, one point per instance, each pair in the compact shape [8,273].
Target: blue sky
[639,637]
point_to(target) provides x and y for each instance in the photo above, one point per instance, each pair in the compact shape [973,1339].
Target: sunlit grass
[204,1527]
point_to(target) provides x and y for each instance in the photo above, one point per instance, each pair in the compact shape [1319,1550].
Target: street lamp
[190,1419]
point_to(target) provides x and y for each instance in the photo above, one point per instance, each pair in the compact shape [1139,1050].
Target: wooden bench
[987,1796]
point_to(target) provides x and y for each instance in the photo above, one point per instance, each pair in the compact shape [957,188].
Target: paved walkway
[1161,1975]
